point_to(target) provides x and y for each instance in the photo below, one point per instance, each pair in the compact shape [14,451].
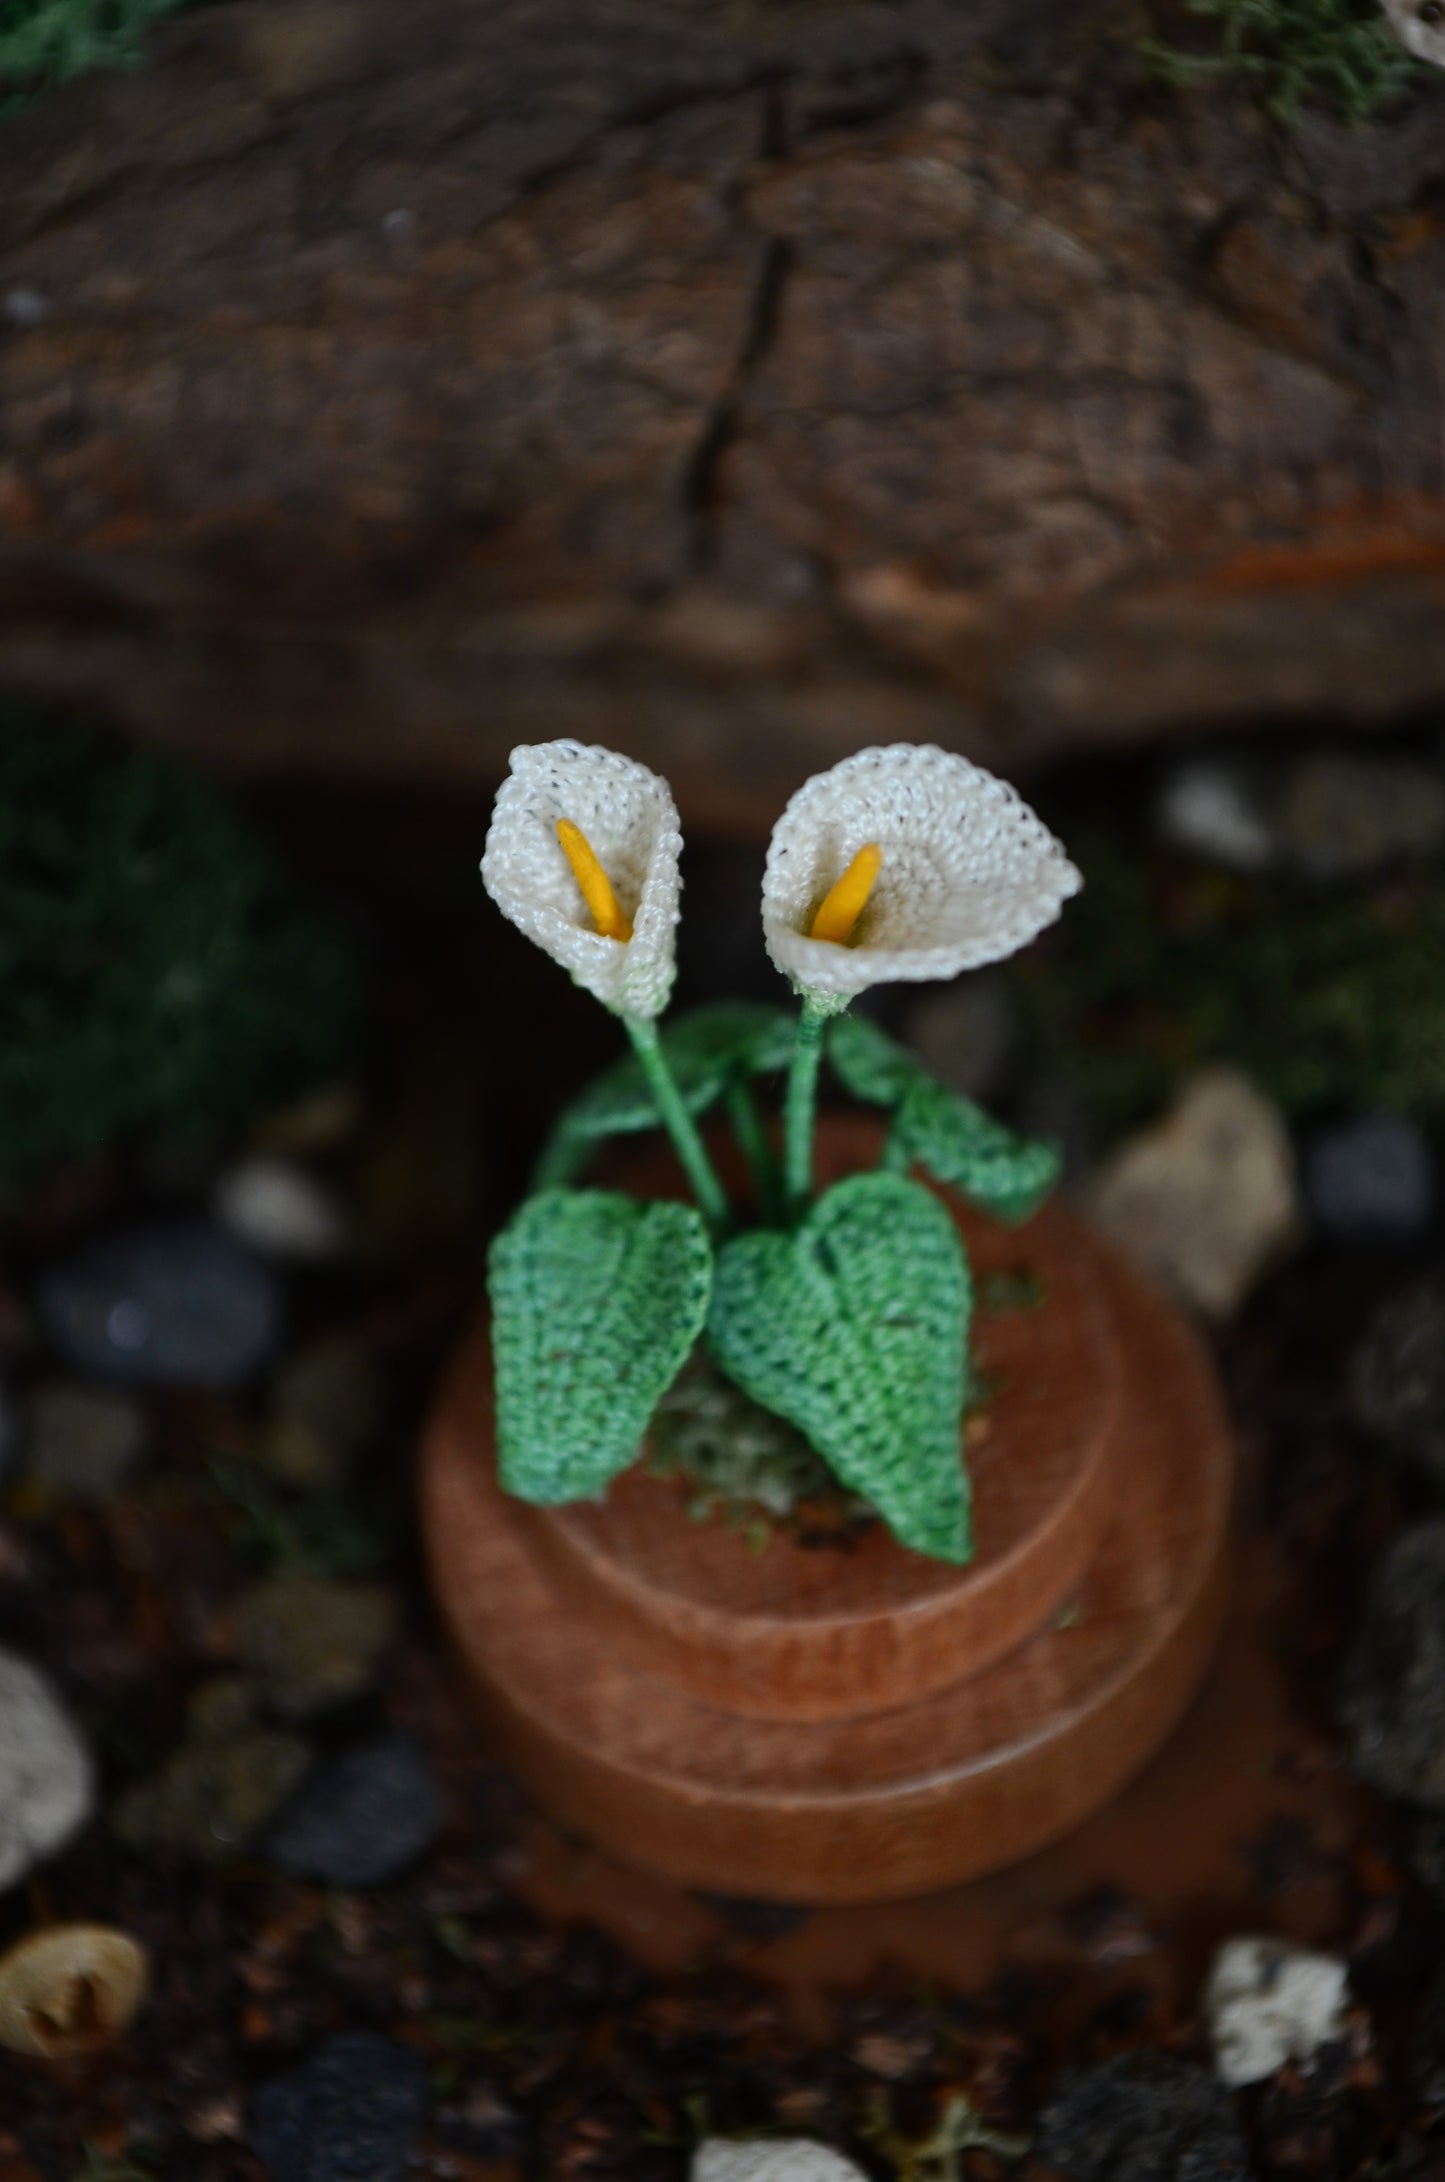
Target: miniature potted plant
[893,1715]
[846,1311]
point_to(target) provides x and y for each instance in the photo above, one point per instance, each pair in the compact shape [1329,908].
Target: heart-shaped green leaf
[870,1064]
[855,1328]
[597,1301]
[959,1143]
[705,1050]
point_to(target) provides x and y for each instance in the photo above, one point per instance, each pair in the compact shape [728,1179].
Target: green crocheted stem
[896,1157]
[678,1122]
[800,1110]
[754,1144]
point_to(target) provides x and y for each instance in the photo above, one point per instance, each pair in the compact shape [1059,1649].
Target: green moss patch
[1340,55]
[47,42]
[1330,1001]
[156,966]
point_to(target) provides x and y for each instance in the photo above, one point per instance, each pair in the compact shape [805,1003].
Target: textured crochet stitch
[968,875]
[628,815]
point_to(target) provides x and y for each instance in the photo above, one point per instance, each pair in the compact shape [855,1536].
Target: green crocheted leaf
[597,1301]
[855,1328]
[959,1143]
[705,1050]
[870,1064]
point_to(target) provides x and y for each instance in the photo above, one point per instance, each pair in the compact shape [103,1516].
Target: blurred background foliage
[1331,1000]
[1340,55]
[156,965]
[47,42]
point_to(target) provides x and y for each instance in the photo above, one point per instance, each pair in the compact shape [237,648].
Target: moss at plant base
[1338,54]
[739,1456]
[1330,1001]
[46,42]
[156,968]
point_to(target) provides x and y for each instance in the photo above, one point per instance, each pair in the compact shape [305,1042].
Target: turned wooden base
[833,1725]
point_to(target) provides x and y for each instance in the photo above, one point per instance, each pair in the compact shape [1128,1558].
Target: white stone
[786,2159]
[1216,811]
[279,1210]
[1208,1197]
[1269,2003]
[1418,29]
[46,1785]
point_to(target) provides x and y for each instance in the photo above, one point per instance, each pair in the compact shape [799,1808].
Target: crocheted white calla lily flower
[905,863]
[582,855]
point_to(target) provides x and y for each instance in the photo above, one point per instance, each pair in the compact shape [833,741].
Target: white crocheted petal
[968,875]
[628,815]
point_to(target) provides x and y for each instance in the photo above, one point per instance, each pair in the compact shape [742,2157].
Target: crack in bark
[698,485]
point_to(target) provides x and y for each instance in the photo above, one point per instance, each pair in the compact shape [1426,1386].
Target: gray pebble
[1370,1180]
[1141,2117]
[1397,1376]
[172,1302]
[1393,1696]
[361,1819]
[351,2113]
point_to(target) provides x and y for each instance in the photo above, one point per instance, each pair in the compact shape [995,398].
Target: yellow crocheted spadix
[847,898]
[607,912]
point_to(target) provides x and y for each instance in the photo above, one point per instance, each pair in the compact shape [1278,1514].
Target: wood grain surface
[599,1707]
[798,1632]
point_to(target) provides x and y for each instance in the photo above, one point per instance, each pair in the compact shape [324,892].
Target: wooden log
[380,386]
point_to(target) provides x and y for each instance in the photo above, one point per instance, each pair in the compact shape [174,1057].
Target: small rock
[351,2113]
[483,2124]
[1427,2046]
[25,306]
[1218,811]
[1418,29]
[1397,1376]
[326,1404]
[1269,2003]
[280,1210]
[1207,1197]
[83,1441]
[173,1302]
[361,1819]
[70,1989]
[785,2159]
[1393,1699]
[1348,817]
[966,1033]
[1370,1180]
[1142,2117]
[309,1643]
[46,1786]
[222,1786]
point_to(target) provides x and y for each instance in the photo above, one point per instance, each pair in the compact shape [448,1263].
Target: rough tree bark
[381,385]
